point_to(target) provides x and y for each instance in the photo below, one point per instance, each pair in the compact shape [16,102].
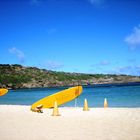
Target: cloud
[97,2]
[100,67]
[128,70]
[104,63]
[133,40]
[18,53]
[52,65]
[100,64]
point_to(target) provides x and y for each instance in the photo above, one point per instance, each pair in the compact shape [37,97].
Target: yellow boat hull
[3,91]
[61,97]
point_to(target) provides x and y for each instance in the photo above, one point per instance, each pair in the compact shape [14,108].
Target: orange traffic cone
[105,103]
[55,110]
[85,106]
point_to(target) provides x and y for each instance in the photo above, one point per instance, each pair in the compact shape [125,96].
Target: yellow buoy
[3,91]
[55,110]
[85,105]
[105,103]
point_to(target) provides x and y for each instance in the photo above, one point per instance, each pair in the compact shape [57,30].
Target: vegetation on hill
[17,76]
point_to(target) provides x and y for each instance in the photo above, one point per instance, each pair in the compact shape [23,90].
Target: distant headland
[17,76]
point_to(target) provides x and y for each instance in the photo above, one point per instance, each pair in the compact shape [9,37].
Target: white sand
[19,123]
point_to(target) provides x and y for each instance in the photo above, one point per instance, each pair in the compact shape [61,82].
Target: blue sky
[87,36]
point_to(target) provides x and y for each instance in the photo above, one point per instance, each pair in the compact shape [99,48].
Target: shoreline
[71,107]
[96,85]
[18,122]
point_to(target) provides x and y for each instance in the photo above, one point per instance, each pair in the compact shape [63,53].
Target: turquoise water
[117,96]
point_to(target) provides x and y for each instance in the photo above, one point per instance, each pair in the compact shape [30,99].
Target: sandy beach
[19,123]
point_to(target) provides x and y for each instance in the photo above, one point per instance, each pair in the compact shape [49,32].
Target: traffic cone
[105,103]
[85,106]
[55,110]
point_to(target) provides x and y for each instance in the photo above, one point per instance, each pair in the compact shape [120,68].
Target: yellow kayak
[3,91]
[61,98]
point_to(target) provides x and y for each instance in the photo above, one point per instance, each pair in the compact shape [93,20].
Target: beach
[19,123]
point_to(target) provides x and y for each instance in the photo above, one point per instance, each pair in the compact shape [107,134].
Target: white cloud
[52,65]
[18,53]
[133,40]
[100,64]
[97,2]
[128,70]
[103,63]
[100,67]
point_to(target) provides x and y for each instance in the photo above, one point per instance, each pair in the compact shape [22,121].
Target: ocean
[117,96]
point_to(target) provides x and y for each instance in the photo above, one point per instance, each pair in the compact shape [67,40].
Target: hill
[17,76]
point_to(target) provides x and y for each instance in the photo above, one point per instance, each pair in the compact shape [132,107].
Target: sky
[85,36]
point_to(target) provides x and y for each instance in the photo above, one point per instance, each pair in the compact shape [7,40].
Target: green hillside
[17,76]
